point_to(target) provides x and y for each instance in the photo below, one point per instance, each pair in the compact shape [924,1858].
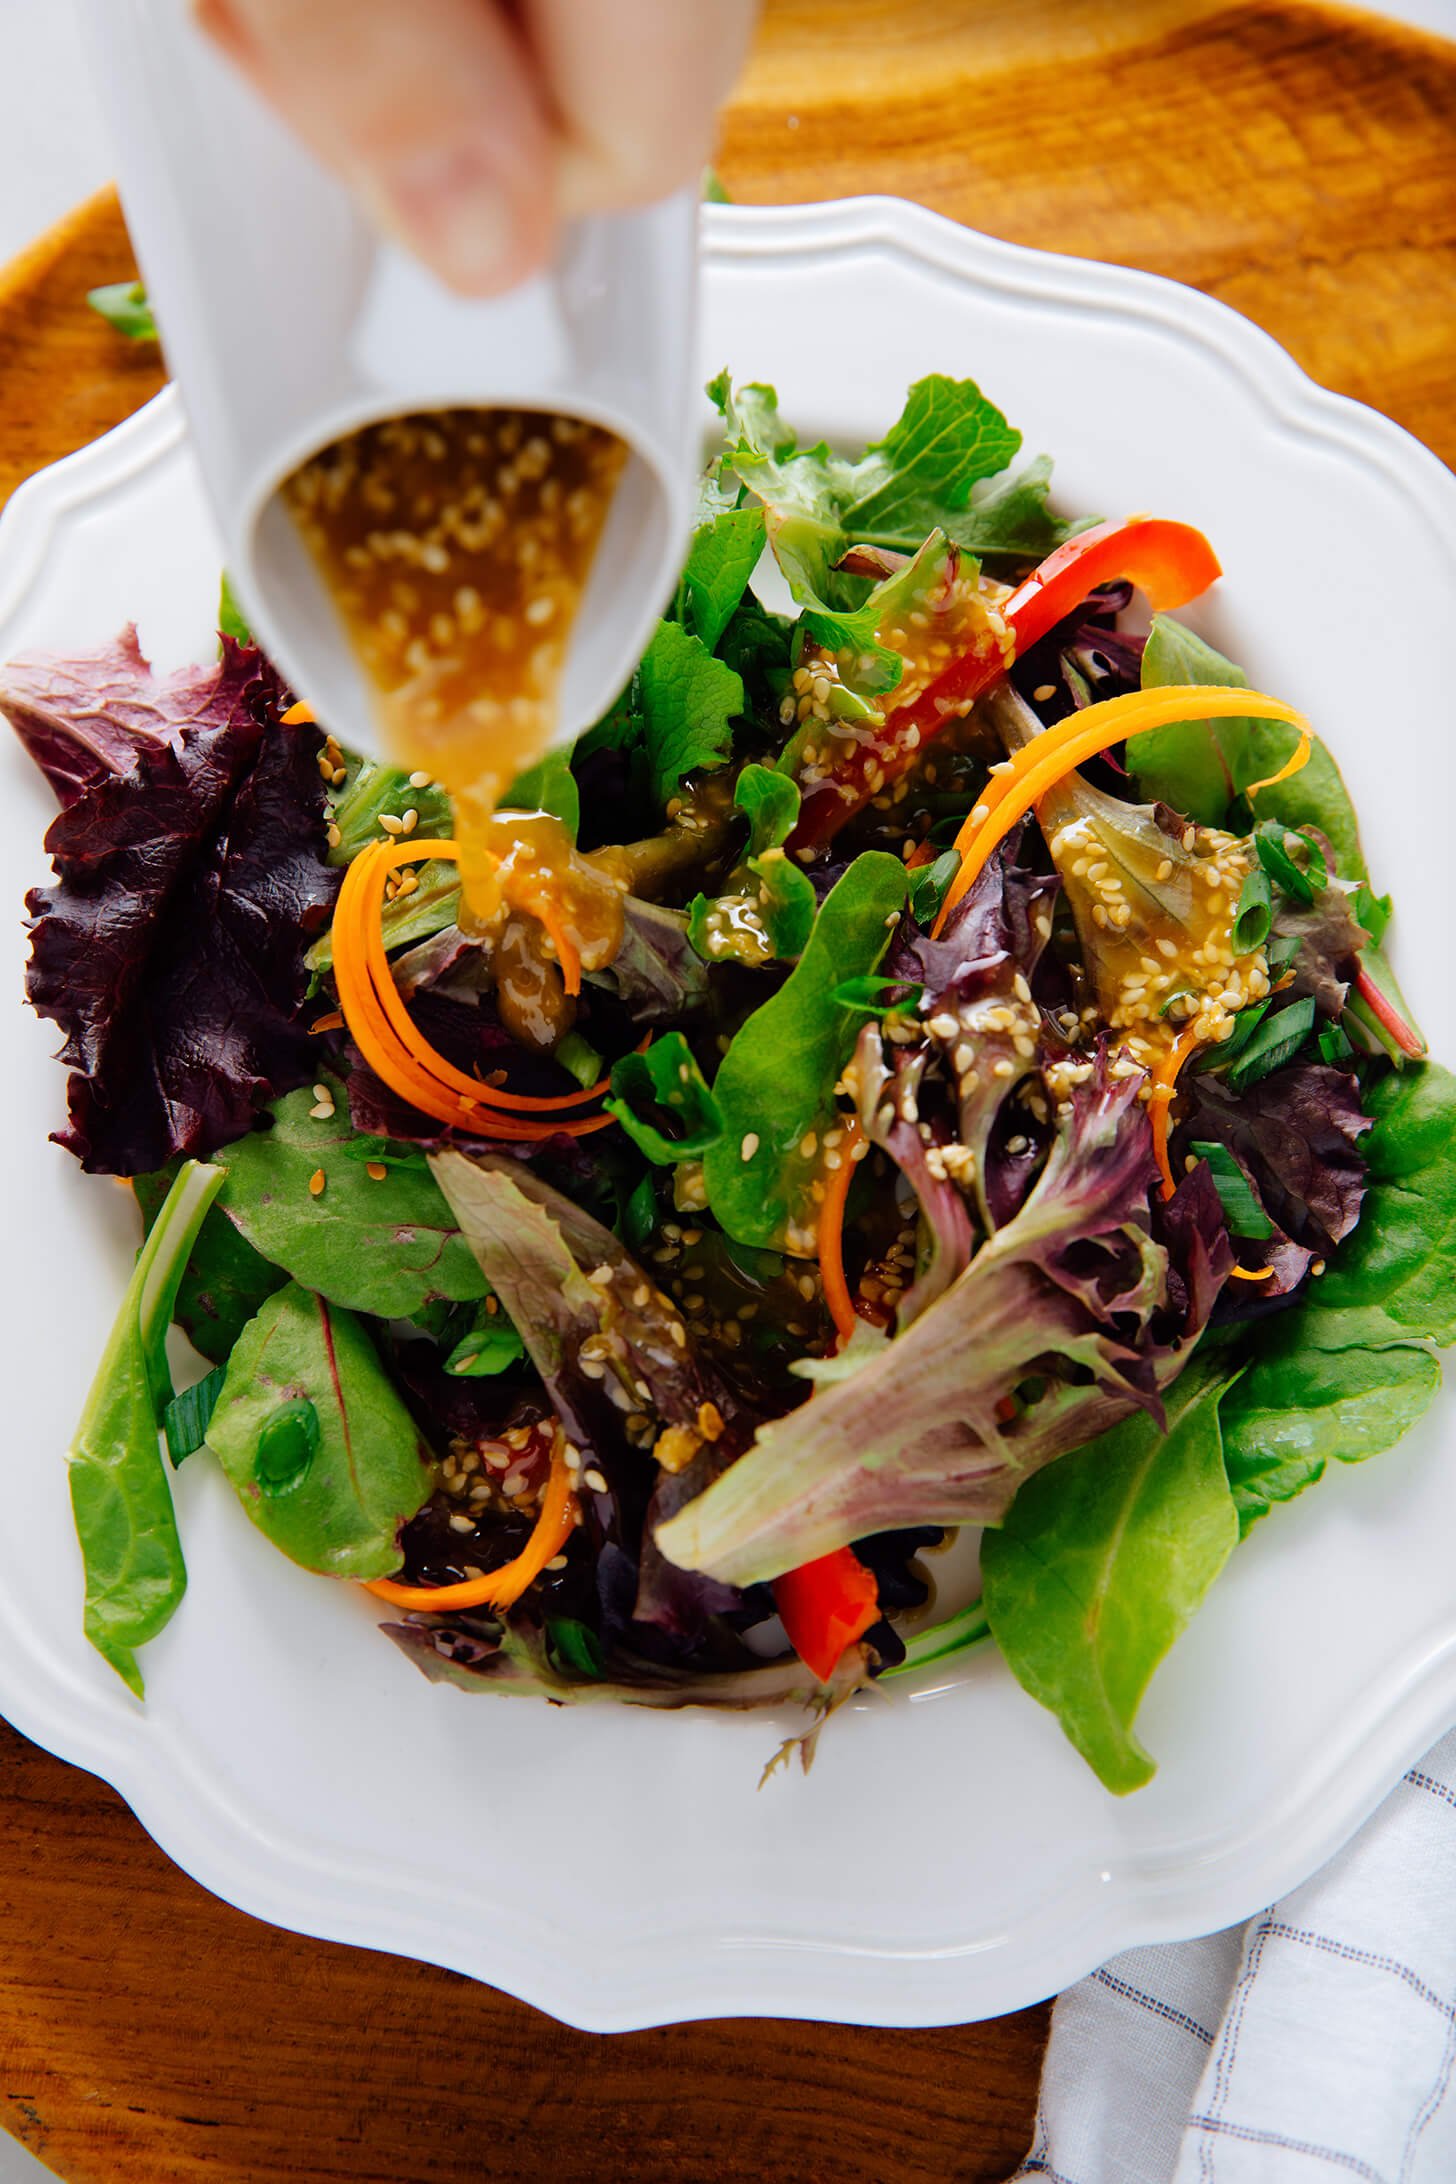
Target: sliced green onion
[124,305]
[943,1641]
[1275,1042]
[1334,1045]
[187,1416]
[1241,1209]
[932,886]
[1300,882]
[575,1646]
[1255,913]
[581,1058]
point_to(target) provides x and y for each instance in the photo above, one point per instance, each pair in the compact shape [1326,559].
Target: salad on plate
[934,1065]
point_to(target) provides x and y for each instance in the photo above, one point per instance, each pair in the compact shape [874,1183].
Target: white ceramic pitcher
[288,320]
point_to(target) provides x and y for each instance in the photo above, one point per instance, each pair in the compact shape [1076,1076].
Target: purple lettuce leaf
[1060,1326]
[475,1655]
[625,1378]
[189,883]
[1328,939]
[1296,1135]
[86,719]
[987,1026]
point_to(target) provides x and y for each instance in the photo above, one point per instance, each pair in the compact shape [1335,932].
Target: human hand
[470,128]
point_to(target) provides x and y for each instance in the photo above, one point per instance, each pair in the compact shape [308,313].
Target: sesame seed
[749,1146]
[316,1183]
[1043,691]
[390,823]
[593,1481]
[333,836]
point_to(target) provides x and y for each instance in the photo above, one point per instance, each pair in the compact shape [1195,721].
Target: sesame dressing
[456,545]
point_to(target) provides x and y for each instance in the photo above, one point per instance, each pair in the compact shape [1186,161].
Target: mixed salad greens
[935,1064]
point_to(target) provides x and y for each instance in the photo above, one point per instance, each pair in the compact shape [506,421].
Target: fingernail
[448,205]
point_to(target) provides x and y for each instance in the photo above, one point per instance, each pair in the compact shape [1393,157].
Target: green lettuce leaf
[921,476]
[1100,1565]
[665,1077]
[776,1082]
[721,558]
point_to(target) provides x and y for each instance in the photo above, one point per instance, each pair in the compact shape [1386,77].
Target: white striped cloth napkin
[1318,2041]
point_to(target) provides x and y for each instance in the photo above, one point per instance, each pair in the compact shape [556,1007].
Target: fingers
[432,110]
[635,87]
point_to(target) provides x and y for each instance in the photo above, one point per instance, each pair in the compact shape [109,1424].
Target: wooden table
[1300,163]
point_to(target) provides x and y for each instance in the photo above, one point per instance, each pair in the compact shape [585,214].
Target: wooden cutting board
[1297,161]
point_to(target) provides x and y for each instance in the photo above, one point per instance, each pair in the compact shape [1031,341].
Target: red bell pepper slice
[1170,563]
[825,1606]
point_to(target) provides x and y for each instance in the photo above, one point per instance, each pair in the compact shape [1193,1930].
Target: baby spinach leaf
[386,1246]
[776,1082]
[323,1455]
[1101,1564]
[224,1281]
[1203,767]
[1395,1278]
[665,1077]
[1241,1208]
[1300,1407]
[120,1499]
[1347,1373]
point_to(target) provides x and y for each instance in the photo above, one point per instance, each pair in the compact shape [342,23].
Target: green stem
[942,1641]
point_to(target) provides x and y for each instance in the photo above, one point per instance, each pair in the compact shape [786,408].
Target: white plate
[949,1857]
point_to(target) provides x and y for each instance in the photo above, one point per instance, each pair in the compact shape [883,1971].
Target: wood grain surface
[1300,163]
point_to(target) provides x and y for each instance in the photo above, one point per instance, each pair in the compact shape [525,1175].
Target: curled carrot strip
[1251,1273]
[387,1036]
[566,954]
[1293,765]
[1160,1101]
[831,1237]
[1039,765]
[500,1588]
